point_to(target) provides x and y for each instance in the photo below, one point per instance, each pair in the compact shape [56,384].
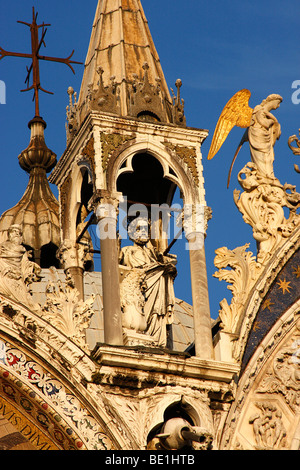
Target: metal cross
[36,57]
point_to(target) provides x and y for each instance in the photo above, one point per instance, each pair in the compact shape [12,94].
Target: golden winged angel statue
[262,130]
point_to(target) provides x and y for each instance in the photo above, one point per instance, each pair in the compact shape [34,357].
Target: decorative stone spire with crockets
[123,75]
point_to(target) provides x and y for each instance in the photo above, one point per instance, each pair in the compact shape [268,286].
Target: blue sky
[216,47]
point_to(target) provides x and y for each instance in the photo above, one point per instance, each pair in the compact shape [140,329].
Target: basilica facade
[111,359]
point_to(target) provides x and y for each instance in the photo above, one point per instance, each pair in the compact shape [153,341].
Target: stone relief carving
[284,377]
[147,292]
[17,272]
[41,382]
[134,415]
[188,156]
[62,308]
[89,153]
[67,313]
[268,428]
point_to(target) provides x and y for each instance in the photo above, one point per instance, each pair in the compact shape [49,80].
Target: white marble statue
[16,270]
[263,132]
[147,291]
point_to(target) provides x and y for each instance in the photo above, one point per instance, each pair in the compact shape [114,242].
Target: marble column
[201,309]
[106,209]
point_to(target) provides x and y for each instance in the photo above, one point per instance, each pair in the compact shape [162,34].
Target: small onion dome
[38,210]
[37,153]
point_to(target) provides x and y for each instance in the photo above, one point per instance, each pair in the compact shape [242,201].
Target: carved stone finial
[72,115]
[178,106]
[146,101]
[104,98]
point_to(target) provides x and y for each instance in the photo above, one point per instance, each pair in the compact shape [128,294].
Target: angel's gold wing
[237,112]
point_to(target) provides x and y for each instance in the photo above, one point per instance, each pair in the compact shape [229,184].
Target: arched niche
[147,174]
[79,192]
[173,169]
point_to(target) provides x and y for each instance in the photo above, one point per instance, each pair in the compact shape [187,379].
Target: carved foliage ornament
[242,275]
[262,204]
[67,313]
[188,156]
[110,143]
[295,150]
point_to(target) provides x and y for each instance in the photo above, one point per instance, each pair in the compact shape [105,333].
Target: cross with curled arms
[35,56]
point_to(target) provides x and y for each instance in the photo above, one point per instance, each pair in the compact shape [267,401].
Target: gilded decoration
[189,156]
[25,426]
[110,143]
[281,295]
[264,415]
[48,403]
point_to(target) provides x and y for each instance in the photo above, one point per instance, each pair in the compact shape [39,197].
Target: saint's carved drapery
[147,292]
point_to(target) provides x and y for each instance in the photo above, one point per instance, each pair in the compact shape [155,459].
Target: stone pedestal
[132,338]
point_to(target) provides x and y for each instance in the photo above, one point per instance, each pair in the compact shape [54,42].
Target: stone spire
[123,74]
[38,210]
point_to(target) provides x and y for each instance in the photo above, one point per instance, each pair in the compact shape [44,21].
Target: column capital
[195,220]
[103,197]
[72,254]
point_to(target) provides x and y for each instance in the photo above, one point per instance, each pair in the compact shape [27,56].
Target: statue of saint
[16,270]
[147,290]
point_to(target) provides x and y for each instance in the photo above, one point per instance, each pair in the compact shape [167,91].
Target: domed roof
[38,210]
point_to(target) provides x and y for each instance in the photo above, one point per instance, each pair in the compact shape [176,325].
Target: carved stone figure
[268,428]
[16,270]
[147,292]
[263,132]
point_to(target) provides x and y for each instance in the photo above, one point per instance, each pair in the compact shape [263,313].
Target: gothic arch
[41,391]
[33,415]
[265,412]
[283,261]
[73,197]
[173,169]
